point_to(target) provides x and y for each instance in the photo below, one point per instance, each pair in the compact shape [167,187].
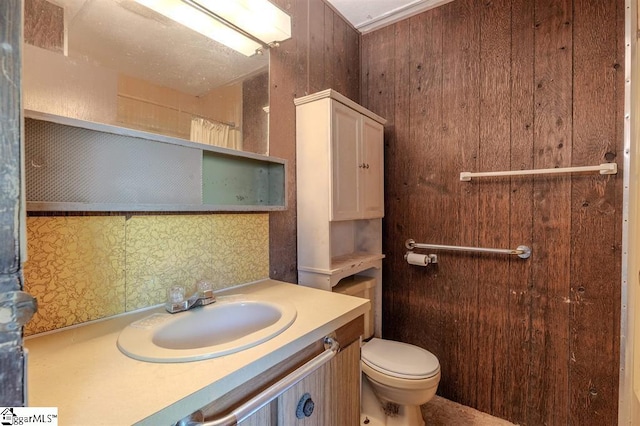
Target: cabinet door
[372,172]
[345,157]
[334,389]
[313,386]
[266,416]
[344,382]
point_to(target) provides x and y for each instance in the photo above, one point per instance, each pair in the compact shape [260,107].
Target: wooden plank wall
[322,53]
[503,85]
[44,25]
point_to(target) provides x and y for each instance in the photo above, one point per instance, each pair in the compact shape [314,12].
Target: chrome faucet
[177,303]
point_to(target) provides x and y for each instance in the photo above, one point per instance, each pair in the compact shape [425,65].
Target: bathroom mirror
[117,62]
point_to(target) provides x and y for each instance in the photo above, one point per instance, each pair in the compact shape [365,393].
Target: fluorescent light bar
[260,18]
[203,23]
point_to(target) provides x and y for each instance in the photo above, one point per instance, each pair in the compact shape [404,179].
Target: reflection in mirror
[120,63]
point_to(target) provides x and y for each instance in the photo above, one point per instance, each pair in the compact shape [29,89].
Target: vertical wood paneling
[595,293]
[352,64]
[302,65]
[301,36]
[373,77]
[340,71]
[498,85]
[548,396]
[44,25]
[254,120]
[424,133]
[282,88]
[494,203]
[460,109]
[521,210]
[328,46]
[316,45]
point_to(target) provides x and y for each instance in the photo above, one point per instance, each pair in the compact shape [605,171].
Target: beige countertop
[81,371]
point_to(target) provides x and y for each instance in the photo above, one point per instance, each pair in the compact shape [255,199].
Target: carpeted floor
[442,412]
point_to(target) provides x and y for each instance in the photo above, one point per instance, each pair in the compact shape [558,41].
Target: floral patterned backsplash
[84,268]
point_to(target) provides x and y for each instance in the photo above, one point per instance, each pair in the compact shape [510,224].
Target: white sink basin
[231,324]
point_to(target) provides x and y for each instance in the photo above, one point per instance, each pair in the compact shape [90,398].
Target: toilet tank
[364,287]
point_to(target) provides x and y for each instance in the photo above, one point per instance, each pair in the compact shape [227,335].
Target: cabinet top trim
[332,94]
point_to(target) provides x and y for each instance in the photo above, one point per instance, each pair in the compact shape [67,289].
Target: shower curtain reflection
[214,133]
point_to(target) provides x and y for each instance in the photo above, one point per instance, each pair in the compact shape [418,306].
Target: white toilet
[396,377]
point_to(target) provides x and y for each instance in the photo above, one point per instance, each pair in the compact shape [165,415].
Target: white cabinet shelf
[340,193]
[347,263]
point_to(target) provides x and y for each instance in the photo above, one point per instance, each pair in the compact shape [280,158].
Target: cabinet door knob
[305,406]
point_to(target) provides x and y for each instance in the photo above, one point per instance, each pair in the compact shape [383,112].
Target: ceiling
[369,15]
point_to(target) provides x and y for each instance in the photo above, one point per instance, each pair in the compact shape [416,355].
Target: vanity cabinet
[340,191]
[334,388]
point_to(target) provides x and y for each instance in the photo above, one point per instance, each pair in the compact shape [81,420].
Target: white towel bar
[604,169]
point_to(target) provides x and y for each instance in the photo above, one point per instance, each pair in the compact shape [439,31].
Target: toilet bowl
[396,379]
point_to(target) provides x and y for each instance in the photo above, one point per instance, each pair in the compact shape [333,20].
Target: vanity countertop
[81,371]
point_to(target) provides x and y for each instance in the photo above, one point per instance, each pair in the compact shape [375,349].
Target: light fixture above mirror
[246,26]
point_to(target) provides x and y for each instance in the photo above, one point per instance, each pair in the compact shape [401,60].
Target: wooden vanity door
[266,416]
[334,389]
[316,386]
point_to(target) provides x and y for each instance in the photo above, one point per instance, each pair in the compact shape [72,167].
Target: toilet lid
[399,359]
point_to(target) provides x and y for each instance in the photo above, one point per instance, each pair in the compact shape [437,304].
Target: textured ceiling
[367,15]
[361,12]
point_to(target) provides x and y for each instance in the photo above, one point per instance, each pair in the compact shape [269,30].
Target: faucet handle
[205,289]
[175,294]
[175,299]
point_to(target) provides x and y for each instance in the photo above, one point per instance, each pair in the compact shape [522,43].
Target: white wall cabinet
[356,163]
[340,190]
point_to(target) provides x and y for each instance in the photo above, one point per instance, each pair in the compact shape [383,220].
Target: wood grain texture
[506,85]
[493,203]
[315,385]
[459,222]
[596,217]
[44,25]
[344,385]
[267,415]
[346,335]
[307,63]
[548,396]
[254,119]
[518,339]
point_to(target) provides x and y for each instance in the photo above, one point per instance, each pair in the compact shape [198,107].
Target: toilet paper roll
[417,259]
